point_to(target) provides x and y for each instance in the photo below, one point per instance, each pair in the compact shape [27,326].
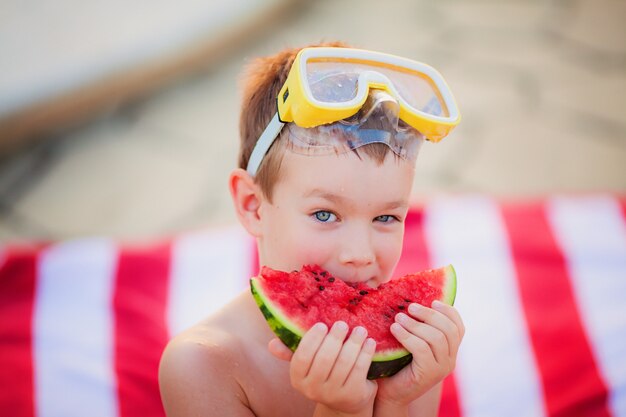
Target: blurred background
[121,119]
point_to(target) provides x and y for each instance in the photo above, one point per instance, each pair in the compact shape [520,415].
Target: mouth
[354,276]
[372,282]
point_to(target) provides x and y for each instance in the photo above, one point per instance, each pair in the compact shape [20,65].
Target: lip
[355,275]
[371,281]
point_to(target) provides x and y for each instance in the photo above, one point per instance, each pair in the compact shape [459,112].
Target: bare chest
[270,393]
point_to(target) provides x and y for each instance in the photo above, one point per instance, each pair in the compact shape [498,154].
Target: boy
[326,185]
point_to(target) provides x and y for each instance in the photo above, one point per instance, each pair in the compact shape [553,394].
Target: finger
[363,362]
[452,313]
[326,355]
[279,350]
[348,355]
[439,321]
[304,354]
[416,345]
[435,338]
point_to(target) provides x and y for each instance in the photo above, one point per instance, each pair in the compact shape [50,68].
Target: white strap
[263,144]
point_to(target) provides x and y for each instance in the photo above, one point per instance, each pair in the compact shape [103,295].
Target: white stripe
[496,372]
[73,330]
[592,233]
[208,270]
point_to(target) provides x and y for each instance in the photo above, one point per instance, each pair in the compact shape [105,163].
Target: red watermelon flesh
[293,302]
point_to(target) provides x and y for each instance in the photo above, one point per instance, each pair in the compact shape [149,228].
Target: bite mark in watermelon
[292,302]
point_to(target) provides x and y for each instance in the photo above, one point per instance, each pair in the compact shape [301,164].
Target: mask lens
[331,83]
[334,80]
[418,90]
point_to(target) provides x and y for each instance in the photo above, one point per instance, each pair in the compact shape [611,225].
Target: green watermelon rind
[449,290]
[281,325]
[384,364]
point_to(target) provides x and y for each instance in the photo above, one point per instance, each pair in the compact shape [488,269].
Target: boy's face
[338,211]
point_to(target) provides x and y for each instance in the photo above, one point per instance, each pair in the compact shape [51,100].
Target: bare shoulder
[196,376]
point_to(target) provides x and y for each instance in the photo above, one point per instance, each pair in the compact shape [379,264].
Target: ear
[247,198]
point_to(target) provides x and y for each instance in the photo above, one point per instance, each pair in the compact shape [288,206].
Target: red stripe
[571,381]
[450,406]
[17,291]
[141,331]
[416,257]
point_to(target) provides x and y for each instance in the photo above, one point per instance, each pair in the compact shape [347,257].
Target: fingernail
[401,318]
[340,325]
[395,327]
[359,331]
[437,304]
[414,308]
[370,343]
[319,327]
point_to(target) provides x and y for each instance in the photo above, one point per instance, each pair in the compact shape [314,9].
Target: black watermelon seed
[317,279]
[401,307]
[363,292]
[331,279]
[407,301]
[321,287]
[324,273]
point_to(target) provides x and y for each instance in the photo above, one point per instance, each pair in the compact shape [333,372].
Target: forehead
[346,174]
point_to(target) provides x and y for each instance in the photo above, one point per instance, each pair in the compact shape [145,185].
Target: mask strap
[268,137]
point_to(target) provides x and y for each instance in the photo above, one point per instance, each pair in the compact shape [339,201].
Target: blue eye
[385,218]
[324,216]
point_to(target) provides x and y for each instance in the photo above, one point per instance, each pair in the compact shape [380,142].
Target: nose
[357,249]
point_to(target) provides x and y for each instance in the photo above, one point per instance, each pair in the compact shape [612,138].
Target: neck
[254,320]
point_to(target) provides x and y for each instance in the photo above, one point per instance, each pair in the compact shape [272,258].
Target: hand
[433,336]
[331,372]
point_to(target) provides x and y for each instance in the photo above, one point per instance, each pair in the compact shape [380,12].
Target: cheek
[390,249]
[295,242]
[312,247]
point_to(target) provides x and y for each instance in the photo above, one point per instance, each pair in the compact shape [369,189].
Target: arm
[425,406]
[193,382]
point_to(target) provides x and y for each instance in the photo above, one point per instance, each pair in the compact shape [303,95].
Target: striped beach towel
[542,290]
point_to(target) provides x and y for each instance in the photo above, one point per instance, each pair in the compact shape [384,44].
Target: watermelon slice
[292,302]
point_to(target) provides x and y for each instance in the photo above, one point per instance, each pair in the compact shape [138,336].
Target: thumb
[279,350]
